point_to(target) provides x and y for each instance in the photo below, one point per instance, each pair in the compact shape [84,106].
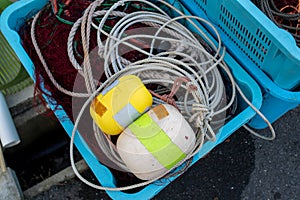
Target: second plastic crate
[267,52]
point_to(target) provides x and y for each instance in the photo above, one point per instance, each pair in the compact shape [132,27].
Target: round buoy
[120,104]
[156,142]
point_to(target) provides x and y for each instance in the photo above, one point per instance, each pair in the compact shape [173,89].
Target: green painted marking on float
[156,140]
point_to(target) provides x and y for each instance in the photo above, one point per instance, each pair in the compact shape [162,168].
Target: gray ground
[243,167]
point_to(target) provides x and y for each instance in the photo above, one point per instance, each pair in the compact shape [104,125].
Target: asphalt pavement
[243,167]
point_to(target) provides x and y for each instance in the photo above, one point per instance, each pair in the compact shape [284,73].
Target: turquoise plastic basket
[267,52]
[16,15]
[13,77]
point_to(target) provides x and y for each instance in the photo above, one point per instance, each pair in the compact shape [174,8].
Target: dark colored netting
[52,34]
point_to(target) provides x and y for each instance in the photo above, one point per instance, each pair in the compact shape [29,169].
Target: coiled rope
[187,57]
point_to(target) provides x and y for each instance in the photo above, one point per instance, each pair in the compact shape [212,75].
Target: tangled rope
[172,57]
[286,14]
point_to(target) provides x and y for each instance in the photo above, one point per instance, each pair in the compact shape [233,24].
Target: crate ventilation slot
[254,45]
[201,4]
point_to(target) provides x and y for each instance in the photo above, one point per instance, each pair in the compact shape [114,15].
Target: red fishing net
[52,34]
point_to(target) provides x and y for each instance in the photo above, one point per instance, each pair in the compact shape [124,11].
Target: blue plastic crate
[19,12]
[267,52]
[268,47]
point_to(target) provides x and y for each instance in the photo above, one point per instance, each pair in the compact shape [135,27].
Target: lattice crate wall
[267,52]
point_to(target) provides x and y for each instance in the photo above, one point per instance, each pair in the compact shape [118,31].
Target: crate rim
[279,34]
[261,77]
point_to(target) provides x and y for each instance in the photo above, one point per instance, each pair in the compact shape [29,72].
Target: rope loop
[183,63]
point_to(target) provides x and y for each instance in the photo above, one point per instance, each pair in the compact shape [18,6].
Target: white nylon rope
[49,73]
[196,64]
